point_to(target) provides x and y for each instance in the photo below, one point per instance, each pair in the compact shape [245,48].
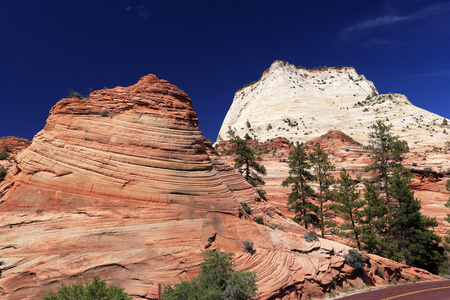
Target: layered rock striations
[122,185]
[300,104]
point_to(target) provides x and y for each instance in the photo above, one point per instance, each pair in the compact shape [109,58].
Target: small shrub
[269,213]
[259,220]
[4,155]
[311,236]
[272,226]
[269,127]
[355,259]
[73,94]
[247,136]
[95,290]
[248,124]
[379,273]
[414,164]
[262,194]
[104,113]
[246,208]
[3,173]
[248,246]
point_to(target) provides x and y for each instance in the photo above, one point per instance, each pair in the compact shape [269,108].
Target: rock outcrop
[11,145]
[306,103]
[122,185]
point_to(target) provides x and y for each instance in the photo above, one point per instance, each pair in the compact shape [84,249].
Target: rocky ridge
[122,185]
[306,103]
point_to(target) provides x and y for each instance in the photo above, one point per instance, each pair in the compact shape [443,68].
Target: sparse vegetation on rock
[311,236]
[3,155]
[74,94]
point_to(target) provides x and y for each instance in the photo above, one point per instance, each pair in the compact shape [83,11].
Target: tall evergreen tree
[374,221]
[445,268]
[396,229]
[299,199]
[347,205]
[246,162]
[387,154]
[415,241]
[322,168]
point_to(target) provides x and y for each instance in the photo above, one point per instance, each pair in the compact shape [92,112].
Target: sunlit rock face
[300,104]
[122,185]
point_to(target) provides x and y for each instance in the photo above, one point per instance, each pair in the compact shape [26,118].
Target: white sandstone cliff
[300,104]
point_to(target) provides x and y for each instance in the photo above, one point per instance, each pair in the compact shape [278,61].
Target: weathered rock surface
[122,185]
[304,104]
[12,146]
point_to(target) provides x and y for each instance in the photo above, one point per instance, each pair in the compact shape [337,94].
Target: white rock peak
[300,104]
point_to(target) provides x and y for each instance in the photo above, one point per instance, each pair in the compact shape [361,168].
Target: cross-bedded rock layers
[122,185]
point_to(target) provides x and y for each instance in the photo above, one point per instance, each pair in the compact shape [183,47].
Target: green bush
[379,273]
[73,94]
[216,280]
[311,236]
[248,246]
[3,173]
[259,220]
[355,259]
[4,155]
[246,208]
[95,290]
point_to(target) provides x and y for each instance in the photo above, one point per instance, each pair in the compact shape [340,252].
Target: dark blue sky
[211,48]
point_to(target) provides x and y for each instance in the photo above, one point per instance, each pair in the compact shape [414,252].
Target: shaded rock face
[122,185]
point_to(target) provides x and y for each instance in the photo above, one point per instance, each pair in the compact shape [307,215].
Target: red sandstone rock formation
[121,185]
[13,145]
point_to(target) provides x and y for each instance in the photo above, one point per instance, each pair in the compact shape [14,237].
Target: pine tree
[347,205]
[374,229]
[299,199]
[387,154]
[247,164]
[416,243]
[322,168]
[445,268]
[394,227]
